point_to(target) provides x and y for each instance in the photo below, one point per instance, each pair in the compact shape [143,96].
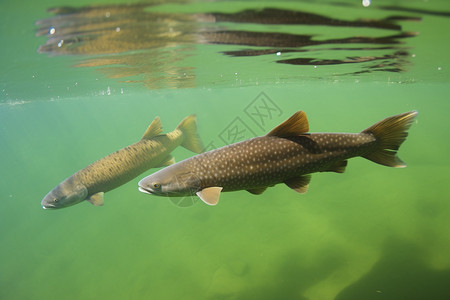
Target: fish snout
[145,190]
[47,205]
[50,201]
[148,185]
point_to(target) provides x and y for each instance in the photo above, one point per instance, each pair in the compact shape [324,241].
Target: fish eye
[55,199]
[156,185]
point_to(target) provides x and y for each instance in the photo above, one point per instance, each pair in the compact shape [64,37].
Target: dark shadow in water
[400,274]
[129,40]
[295,275]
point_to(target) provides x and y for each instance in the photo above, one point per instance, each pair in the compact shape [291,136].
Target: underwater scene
[105,104]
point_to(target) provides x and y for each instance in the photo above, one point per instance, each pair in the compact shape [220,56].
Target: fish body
[112,171]
[288,154]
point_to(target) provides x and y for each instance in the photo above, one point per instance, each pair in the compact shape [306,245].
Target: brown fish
[287,154]
[110,172]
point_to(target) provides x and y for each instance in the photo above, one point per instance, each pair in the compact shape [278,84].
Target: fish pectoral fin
[294,126]
[210,195]
[338,167]
[96,199]
[299,184]
[169,160]
[154,129]
[257,191]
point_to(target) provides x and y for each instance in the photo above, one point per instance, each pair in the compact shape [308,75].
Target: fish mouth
[48,206]
[146,191]
[151,191]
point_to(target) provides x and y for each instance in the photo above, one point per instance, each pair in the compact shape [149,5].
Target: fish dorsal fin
[257,191]
[153,130]
[96,199]
[210,195]
[338,167]
[294,126]
[299,184]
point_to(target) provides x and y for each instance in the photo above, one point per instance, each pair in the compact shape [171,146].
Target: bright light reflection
[365,3]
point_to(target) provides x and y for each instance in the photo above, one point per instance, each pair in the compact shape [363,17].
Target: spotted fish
[287,154]
[111,171]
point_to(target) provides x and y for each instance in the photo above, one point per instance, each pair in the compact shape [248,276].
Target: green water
[370,233]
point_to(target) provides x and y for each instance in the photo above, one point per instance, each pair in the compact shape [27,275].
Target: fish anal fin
[299,184]
[257,191]
[169,160]
[154,129]
[338,167]
[96,199]
[210,195]
[294,126]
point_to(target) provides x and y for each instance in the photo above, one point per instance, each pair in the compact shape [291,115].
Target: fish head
[171,181]
[67,193]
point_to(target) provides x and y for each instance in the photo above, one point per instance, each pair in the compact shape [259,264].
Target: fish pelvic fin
[390,133]
[154,129]
[96,199]
[294,126]
[191,139]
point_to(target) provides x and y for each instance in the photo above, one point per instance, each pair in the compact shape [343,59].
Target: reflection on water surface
[134,43]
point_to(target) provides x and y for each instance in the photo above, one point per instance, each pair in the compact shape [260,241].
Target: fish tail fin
[390,133]
[191,139]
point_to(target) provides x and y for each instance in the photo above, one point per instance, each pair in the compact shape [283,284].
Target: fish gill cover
[151,43]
